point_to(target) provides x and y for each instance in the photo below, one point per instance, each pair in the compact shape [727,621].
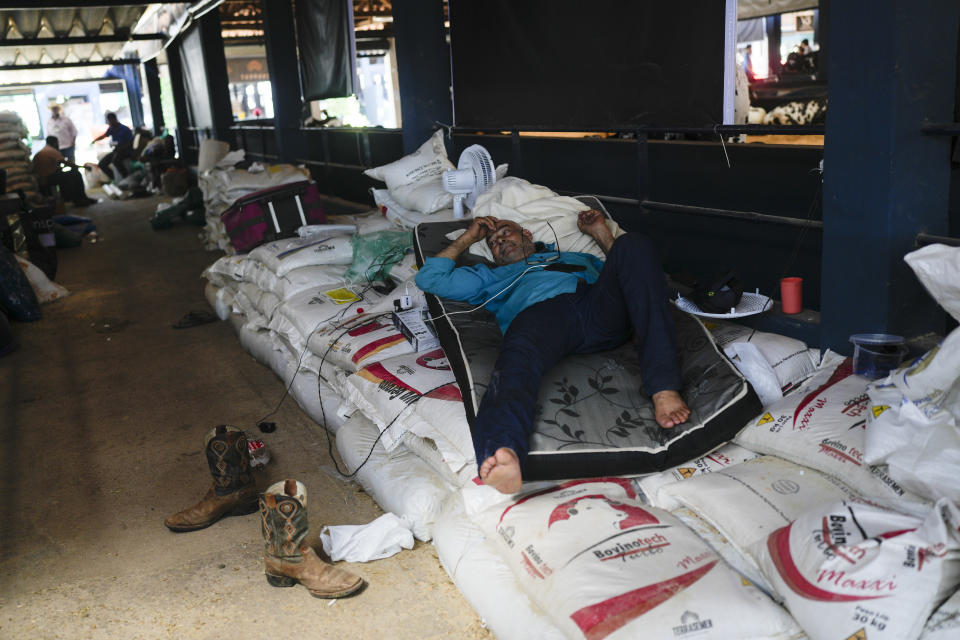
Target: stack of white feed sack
[787,532]
[295,312]
[223,185]
[15,155]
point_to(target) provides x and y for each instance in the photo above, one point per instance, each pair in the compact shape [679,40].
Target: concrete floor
[102,415]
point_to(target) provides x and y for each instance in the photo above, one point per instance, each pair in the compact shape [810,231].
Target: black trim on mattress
[572,464]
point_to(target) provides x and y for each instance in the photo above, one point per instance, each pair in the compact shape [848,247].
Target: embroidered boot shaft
[287,559]
[232,493]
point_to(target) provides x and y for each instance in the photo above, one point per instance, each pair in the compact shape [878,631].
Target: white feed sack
[414,181]
[849,570]
[823,425]
[603,565]
[792,362]
[725,456]
[404,217]
[749,501]
[443,422]
[915,422]
[359,342]
[737,560]
[944,623]
[485,579]
[400,482]
[367,222]
[227,269]
[385,389]
[230,184]
[220,299]
[315,397]
[297,280]
[311,310]
[281,256]
[263,301]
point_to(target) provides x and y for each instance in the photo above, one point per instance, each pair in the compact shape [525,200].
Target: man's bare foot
[502,471]
[669,409]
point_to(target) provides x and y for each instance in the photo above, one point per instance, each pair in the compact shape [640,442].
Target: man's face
[55,112]
[509,243]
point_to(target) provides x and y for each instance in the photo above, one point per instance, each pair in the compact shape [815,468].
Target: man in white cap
[62,128]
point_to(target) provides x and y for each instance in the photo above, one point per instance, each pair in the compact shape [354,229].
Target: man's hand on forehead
[480,228]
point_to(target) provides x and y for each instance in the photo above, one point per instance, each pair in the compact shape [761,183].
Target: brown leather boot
[233,492]
[287,559]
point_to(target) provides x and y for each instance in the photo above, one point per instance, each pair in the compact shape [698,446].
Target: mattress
[593,417]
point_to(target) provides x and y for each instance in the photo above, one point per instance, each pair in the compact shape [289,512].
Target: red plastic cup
[791,295]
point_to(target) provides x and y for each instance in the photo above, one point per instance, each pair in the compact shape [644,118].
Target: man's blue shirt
[120,133]
[480,283]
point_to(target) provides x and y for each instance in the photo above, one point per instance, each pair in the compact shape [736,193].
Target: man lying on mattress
[550,304]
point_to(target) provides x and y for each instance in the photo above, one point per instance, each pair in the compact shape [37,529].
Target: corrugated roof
[61,39]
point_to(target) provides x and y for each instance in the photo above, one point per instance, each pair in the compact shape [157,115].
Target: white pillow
[549,217]
[429,161]
[425,196]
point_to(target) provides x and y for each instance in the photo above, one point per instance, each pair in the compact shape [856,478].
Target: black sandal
[195,319]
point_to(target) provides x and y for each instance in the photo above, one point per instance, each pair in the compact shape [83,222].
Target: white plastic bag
[755,368]
[938,268]
[382,538]
[914,422]
[45,289]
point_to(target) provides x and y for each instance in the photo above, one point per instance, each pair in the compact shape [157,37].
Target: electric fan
[474,175]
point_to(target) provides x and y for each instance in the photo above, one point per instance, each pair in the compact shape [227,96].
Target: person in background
[62,128]
[122,138]
[804,47]
[748,63]
[48,164]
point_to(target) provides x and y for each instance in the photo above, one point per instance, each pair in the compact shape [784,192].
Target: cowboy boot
[287,559]
[233,492]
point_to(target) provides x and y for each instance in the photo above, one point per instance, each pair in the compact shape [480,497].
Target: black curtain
[195,80]
[324,29]
[603,63]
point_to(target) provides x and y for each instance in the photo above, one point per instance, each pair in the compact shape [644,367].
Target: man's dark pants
[628,299]
[116,157]
[71,185]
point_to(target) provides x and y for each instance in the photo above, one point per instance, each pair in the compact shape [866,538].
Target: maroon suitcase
[271,214]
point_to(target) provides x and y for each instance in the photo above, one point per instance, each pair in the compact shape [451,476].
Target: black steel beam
[751,216]
[729,129]
[29,42]
[61,4]
[64,65]
[941,129]
[923,239]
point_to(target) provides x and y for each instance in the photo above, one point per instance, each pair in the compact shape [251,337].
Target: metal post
[282,63]
[423,66]
[215,64]
[152,72]
[884,180]
[179,100]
